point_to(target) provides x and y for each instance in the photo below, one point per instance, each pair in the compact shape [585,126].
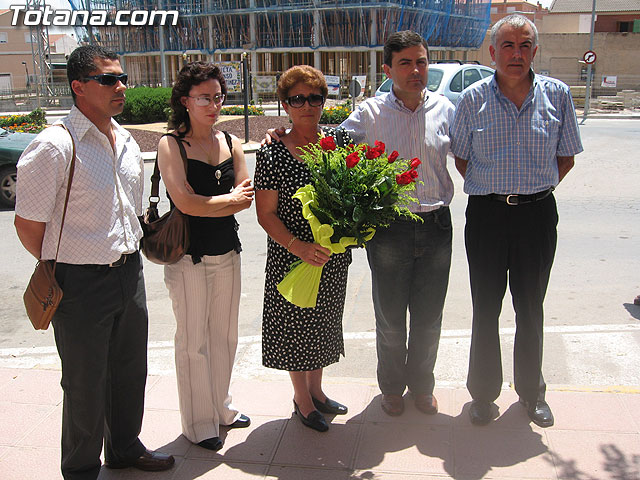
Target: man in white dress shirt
[410,261]
[100,326]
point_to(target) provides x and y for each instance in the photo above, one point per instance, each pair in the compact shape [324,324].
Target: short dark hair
[191,74]
[82,62]
[399,41]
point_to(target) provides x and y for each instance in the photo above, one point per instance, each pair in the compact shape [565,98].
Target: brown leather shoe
[149,462]
[392,404]
[426,403]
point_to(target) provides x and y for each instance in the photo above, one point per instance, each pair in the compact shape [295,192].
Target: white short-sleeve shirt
[106,193]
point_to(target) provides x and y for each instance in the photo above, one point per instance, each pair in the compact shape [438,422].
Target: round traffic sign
[355,88]
[589,56]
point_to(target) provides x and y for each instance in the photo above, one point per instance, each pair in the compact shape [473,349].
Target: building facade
[339,37]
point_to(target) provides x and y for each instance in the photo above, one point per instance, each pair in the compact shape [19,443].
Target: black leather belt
[118,263]
[122,260]
[515,199]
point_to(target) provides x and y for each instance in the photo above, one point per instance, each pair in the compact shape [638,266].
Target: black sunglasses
[314,100]
[108,79]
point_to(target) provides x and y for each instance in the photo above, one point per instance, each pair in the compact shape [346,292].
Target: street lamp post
[26,72]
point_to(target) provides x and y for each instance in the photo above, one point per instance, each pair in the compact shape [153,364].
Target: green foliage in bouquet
[359,187]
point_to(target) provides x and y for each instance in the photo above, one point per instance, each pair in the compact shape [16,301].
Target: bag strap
[155,177]
[229,142]
[72,168]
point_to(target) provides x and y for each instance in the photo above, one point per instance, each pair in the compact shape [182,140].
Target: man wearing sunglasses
[100,326]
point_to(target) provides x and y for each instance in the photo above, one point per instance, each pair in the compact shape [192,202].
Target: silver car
[448,79]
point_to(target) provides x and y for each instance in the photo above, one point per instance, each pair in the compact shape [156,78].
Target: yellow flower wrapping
[300,286]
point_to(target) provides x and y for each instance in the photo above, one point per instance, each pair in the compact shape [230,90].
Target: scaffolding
[312,30]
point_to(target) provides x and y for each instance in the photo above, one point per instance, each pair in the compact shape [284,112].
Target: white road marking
[590,354]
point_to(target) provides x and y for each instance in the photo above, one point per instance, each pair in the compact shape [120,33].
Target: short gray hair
[516,21]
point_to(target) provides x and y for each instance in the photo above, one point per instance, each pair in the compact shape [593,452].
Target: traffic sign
[355,88]
[589,57]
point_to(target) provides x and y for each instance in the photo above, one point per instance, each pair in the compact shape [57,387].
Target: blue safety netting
[214,25]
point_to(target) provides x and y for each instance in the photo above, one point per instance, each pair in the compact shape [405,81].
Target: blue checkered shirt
[510,150]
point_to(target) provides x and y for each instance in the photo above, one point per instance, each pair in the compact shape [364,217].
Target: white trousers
[205,299]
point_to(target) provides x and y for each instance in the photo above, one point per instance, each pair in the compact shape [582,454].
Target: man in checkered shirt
[101,324]
[514,137]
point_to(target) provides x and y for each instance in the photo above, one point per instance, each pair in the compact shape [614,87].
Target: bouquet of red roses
[353,191]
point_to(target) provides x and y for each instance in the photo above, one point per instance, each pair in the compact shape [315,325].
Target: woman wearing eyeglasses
[300,340]
[204,285]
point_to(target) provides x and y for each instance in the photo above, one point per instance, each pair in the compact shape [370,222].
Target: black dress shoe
[539,412]
[480,412]
[213,443]
[315,419]
[148,461]
[242,422]
[330,406]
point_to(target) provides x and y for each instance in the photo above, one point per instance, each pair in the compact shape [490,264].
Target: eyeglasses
[108,79]
[297,101]
[217,99]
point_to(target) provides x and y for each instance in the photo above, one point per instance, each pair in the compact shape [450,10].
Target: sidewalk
[600,440]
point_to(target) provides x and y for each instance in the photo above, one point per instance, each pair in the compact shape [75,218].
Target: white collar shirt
[423,133]
[106,192]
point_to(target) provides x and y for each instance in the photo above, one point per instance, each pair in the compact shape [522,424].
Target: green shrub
[145,105]
[239,110]
[335,115]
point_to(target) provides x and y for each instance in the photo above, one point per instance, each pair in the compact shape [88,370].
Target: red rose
[413,174]
[328,143]
[393,157]
[379,146]
[403,179]
[352,160]
[415,162]
[373,153]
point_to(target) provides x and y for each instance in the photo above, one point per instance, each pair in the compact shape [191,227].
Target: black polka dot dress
[294,338]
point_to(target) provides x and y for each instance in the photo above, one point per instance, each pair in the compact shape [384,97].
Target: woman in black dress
[204,285]
[300,340]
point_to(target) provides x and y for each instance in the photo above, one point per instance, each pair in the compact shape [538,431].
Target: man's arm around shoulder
[30,234]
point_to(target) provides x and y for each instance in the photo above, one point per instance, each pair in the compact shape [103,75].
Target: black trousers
[101,335]
[517,243]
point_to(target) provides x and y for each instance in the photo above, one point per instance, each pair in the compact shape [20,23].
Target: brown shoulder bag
[166,238]
[43,294]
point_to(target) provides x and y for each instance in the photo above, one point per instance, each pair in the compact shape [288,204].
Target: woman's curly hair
[191,74]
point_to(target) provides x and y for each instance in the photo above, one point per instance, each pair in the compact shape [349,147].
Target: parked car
[11,147]
[448,79]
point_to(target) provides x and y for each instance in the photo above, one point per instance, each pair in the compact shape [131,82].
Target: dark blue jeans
[410,264]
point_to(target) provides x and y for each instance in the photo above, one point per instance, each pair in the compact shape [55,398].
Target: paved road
[592,329]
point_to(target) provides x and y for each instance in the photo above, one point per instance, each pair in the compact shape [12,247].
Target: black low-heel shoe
[330,406]
[315,419]
[242,422]
[213,443]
